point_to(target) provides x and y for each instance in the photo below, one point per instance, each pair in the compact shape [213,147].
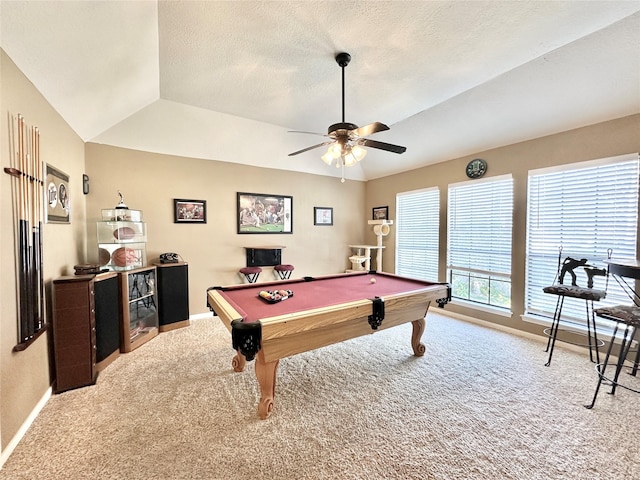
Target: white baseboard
[24,427]
[495,326]
[539,338]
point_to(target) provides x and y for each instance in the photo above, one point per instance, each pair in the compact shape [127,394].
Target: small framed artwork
[264,213]
[322,215]
[56,191]
[189,211]
[381,213]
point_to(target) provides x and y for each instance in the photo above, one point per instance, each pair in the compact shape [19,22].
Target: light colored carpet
[479,405]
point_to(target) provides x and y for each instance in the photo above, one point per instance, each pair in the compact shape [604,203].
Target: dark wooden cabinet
[173,295]
[83,325]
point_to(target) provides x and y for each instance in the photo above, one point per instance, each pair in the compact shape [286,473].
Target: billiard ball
[373,280]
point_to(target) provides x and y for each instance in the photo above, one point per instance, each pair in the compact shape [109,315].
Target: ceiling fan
[346,139]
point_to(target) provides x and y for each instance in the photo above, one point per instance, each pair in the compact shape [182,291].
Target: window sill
[503,312]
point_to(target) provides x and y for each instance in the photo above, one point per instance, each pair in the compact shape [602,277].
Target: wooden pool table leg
[418,328]
[238,362]
[266,374]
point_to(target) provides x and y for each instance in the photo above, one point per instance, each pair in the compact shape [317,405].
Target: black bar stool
[283,271]
[629,318]
[588,294]
[251,273]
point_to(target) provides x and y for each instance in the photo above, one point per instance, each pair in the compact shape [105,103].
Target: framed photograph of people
[264,213]
[189,211]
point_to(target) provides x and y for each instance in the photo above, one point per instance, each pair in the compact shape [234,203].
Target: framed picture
[264,213]
[189,211]
[381,213]
[56,192]
[322,215]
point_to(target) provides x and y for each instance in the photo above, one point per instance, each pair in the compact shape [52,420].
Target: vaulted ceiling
[227,80]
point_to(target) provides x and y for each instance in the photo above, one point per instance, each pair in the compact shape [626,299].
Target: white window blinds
[479,240]
[586,209]
[417,235]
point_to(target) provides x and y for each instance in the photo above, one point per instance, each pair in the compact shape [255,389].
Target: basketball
[124,257]
[103,257]
[124,233]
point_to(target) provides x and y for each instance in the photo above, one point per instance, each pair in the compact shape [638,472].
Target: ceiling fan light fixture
[349,160]
[328,157]
[352,155]
[358,152]
[334,152]
[346,139]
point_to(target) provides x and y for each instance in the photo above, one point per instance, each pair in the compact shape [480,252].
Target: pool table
[320,311]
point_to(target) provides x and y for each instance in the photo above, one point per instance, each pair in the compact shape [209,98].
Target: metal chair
[627,316]
[588,294]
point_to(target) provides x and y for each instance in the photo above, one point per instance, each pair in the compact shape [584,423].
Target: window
[417,236]
[586,209]
[479,241]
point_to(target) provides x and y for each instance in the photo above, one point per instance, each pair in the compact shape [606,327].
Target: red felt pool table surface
[319,292]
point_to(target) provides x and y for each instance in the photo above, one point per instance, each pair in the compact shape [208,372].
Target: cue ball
[373,280]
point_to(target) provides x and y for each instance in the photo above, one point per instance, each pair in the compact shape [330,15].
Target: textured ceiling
[227,80]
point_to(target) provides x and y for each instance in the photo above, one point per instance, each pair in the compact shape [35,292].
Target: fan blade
[382,146]
[310,148]
[309,133]
[370,129]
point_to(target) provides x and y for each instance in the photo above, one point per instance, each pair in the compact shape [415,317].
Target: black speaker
[173,293]
[108,322]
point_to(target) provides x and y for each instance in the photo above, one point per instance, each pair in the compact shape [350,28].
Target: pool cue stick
[37,243]
[28,215]
[27,179]
[33,280]
[35,233]
[31,200]
[23,237]
[39,199]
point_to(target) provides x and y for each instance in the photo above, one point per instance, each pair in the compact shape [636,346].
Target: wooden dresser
[86,328]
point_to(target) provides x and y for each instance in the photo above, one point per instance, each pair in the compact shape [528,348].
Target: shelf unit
[122,237]
[139,307]
[85,328]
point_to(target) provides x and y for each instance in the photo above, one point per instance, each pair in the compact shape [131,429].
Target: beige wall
[24,376]
[214,251]
[604,140]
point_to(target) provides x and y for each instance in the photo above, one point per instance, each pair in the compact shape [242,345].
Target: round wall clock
[476,168]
